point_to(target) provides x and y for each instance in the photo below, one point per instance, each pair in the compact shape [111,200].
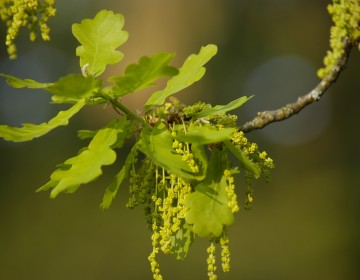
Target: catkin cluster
[164,194]
[346,17]
[261,159]
[211,255]
[32,14]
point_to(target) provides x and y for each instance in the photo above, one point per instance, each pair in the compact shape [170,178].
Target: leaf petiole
[121,107]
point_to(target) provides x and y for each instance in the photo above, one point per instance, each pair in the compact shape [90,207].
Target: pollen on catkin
[346,17]
[33,14]
[230,191]
[165,212]
[211,261]
[225,252]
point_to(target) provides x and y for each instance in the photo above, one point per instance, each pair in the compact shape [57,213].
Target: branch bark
[266,117]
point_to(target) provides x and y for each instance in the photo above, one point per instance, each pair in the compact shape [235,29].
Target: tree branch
[266,117]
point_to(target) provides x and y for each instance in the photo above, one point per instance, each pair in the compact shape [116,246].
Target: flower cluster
[224,120]
[211,261]
[165,194]
[225,252]
[346,17]
[191,110]
[155,267]
[261,160]
[141,182]
[224,242]
[183,149]
[230,190]
[169,113]
[251,150]
[168,212]
[33,14]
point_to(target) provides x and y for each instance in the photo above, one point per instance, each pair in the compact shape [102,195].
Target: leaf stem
[121,107]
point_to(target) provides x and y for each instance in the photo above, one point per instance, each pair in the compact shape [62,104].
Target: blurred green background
[305,222]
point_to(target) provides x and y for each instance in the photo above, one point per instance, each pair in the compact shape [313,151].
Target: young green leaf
[245,162]
[203,135]
[143,74]
[85,133]
[30,131]
[87,165]
[49,185]
[181,241]
[23,83]
[191,72]
[99,38]
[157,145]
[208,209]
[112,189]
[219,109]
[74,87]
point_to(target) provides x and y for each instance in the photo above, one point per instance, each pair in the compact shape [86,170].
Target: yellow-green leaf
[30,131]
[207,207]
[244,161]
[220,109]
[99,38]
[203,135]
[181,241]
[143,74]
[191,72]
[157,145]
[87,165]
[23,83]
[74,86]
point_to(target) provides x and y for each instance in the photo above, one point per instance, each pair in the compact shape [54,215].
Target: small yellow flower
[33,14]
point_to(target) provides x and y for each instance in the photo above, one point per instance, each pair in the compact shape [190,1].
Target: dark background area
[305,222]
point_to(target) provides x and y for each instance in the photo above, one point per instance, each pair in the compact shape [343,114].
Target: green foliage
[208,209]
[86,166]
[208,110]
[112,189]
[203,135]
[33,14]
[244,161]
[99,38]
[30,131]
[23,83]
[157,144]
[74,87]
[178,166]
[346,17]
[191,72]
[181,242]
[143,74]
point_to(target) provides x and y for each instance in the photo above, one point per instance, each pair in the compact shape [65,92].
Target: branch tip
[264,118]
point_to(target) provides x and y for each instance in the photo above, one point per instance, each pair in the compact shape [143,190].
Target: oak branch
[266,117]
